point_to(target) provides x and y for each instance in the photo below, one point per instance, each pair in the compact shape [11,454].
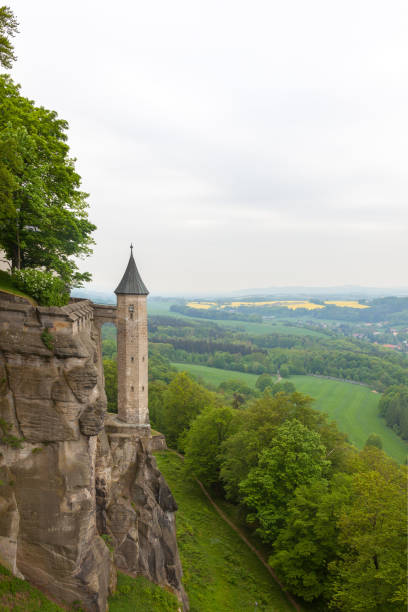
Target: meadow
[353,407]
[215,376]
[220,572]
[355,410]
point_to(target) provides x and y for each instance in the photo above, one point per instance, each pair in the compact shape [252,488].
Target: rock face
[65,480]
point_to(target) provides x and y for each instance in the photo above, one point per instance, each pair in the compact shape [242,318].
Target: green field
[220,572]
[355,410]
[353,407]
[162,307]
[215,376]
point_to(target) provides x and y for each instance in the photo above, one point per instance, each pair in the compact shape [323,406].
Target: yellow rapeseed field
[346,303]
[201,305]
[291,304]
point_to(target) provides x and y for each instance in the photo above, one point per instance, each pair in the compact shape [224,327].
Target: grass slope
[7,286]
[355,410]
[132,595]
[353,407]
[215,376]
[220,572]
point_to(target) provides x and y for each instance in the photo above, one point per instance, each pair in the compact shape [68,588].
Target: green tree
[374,440]
[295,457]
[43,213]
[8,29]
[256,431]
[263,381]
[283,387]
[284,370]
[308,542]
[110,368]
[371,572]
[183,400]
[203,442]
[157,389]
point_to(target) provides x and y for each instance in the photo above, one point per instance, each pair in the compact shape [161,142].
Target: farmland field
[215,376]
[355,410]
[162,307]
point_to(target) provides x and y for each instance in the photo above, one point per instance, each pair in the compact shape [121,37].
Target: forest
[331,517]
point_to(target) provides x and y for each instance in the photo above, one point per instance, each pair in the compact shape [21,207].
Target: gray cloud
[237,143]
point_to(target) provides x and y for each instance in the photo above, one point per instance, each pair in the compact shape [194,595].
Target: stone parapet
[69,319]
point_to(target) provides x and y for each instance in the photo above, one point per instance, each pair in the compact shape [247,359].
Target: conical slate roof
[131,282]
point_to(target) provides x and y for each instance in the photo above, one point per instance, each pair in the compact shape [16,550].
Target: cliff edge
[80,492]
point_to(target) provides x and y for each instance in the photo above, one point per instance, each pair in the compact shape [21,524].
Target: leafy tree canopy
[374,440]
[8,28]
[371,571]
[43,213]
[295,457]
[183,400]
[309,539]
[203,441]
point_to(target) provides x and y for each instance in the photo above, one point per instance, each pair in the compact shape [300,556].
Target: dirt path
[244,539]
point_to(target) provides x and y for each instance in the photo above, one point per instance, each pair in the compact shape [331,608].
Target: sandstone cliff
[70,473]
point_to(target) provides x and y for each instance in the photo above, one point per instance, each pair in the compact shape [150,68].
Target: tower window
[132,359]
[142,388]
[132,388]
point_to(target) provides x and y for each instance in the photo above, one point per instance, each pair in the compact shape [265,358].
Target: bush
[44,287]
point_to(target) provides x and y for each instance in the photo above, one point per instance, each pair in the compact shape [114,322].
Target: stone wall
[66,479]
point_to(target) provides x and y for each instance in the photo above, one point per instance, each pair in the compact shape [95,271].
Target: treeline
[393,309]
[191,345]
[394,408]
[332,518]
[213,314]
[371,370]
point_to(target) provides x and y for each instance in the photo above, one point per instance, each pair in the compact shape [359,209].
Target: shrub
[47,289]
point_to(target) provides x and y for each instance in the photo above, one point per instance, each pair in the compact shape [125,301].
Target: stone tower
[131,295]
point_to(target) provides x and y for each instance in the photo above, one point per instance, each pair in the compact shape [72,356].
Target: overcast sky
[237,143]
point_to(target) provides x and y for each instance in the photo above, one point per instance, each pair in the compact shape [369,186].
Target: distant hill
[339,292]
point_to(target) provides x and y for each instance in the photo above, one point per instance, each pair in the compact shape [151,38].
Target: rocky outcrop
[70,490]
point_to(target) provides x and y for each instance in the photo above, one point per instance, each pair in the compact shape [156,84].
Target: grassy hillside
[355,410]
[353,407]
[215,376]
[220,572]
[132,595]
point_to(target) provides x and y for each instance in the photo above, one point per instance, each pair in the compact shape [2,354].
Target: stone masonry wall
[64,479]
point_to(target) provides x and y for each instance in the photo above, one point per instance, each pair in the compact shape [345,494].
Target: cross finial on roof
[131,248]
